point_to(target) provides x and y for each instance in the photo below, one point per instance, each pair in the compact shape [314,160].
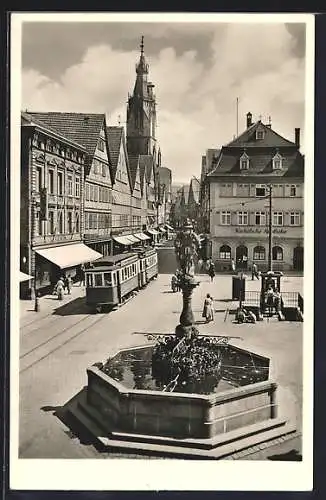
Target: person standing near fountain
[208,310]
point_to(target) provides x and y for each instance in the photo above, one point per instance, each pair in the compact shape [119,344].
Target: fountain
[185,395]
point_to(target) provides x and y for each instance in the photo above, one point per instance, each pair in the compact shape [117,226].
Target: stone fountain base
[184,425]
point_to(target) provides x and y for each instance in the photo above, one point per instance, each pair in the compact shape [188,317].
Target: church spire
[141,110]
[142,66]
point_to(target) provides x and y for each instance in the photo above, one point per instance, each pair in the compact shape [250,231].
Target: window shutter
[251,216]
[234,218]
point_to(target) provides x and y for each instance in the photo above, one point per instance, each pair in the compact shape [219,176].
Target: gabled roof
[133,167]
[195,189]
[260,153]
[83,128]
[146,163]
[260,162]
[248,138]
[114,137]
[185,194]
[27,119]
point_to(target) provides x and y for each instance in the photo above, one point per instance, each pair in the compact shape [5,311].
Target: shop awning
[153,232]
[162,229]
[69,255]
[142,236]
[169,227]
[24,277]
[123,240]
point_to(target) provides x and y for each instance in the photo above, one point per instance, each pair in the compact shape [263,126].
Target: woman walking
[208,311]
[211,271]
[60,286]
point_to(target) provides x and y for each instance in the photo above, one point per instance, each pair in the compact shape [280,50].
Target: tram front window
[98,279]
[107,279]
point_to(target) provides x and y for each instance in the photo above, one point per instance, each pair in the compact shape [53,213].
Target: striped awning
[142,236]
[153,232]
[169,227]
[162,229]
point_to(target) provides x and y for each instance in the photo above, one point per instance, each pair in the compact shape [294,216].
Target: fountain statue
[187,245]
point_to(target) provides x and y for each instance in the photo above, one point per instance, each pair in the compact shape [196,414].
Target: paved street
[56,347]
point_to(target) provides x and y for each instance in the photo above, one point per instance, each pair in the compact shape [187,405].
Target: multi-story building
[193,202]
[146,165]
[209,161]
[239,186]
[165,181]
[138,206]
[121,187]
[89,130]
[51,224]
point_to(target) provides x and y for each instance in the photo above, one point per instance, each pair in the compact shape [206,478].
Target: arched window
[277,253]
[225,252]
[259,253]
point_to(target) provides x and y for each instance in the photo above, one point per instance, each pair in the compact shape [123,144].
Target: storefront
[154,236]
[60,261]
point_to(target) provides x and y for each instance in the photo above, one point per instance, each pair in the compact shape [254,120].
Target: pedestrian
[60,286]
[254,271]
[174,283]
[68,284]
[233,265]
[211,271]
[208,310]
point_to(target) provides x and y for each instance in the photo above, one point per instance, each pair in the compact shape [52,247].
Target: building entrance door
[298,258]
[241,255]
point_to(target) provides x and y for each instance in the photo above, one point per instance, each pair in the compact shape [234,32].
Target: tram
[111,280]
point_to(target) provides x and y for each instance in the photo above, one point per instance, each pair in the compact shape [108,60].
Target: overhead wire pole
[237,116]
[270,227]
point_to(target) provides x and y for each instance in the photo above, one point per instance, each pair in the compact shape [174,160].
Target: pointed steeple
[142,66]
[141,111]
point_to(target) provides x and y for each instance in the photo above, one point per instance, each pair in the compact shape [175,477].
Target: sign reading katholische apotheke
[256,230]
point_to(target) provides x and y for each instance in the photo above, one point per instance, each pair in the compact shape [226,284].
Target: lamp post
[187,245]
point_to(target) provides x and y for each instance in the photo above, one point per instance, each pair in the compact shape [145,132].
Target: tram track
[53,314]
[31,353]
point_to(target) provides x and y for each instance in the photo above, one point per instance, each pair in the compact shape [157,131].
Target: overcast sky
[198,70]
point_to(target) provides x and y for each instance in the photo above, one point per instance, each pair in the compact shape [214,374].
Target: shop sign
[257,230]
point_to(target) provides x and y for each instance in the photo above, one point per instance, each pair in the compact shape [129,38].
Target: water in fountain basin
[134,369]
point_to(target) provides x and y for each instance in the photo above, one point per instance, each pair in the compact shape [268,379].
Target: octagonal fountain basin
[124,396]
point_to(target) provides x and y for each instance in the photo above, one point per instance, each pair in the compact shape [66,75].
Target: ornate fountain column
[187,245]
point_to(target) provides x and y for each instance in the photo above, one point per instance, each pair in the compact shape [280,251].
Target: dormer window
[259,135]
[277,162]
[244,162]
[101,145]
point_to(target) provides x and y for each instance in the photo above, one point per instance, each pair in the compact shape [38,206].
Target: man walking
[68,284]
[254,272]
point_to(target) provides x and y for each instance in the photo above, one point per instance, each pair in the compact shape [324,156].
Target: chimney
[249,119]
[297,137]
